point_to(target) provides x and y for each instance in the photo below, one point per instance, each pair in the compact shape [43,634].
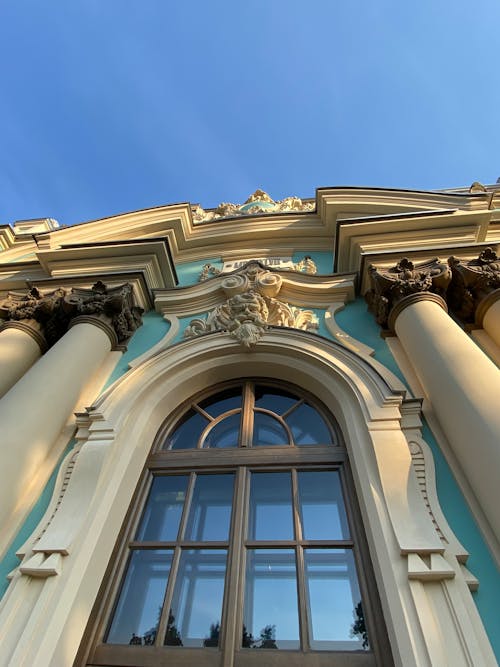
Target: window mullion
[299,556]
[163,622]
[231,634]
[247,417]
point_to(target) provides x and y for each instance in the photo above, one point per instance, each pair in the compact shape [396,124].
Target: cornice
[297,288]
[403,234]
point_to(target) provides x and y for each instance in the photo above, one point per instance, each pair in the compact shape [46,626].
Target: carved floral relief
[250,307]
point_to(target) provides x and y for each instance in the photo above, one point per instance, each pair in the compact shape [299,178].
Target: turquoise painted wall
[360,324]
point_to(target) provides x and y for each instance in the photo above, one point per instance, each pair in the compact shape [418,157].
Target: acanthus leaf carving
[54,310]
[471,282]
[251,307]
[390,286]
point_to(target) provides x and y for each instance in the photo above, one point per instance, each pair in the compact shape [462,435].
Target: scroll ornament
[251,307]
[390,286]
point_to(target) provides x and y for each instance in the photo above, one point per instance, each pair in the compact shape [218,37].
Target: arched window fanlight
[251,415]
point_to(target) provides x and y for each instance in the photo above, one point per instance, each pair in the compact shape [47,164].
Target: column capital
[398,287]
[32,306]
[30,327]
[111,309]
[474,286]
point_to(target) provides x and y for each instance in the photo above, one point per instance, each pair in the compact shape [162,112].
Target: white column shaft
[491,321]
[463,386]
[37,407]
[18,352]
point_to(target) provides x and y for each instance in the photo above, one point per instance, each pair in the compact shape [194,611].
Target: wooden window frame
[241,460]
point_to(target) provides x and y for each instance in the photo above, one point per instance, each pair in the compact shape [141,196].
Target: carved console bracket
[251,306]
[48,316]
[391,286]
[475,285]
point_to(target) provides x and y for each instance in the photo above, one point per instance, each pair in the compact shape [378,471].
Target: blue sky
[115,105]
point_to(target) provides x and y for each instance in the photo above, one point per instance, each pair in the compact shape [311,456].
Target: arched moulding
[122,425]
[162,344]
[342,336]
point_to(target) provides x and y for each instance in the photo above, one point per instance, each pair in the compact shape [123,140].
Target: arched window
[243,544]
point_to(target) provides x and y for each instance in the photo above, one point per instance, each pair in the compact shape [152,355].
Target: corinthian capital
[472,282]
[391,286]
[115,306]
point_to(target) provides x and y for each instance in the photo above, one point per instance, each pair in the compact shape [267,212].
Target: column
[474,294]
[462,384]
[34,411]
[21,344]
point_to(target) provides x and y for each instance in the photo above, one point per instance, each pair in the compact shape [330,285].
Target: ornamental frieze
[54,310]
[390,286]
[472,282]
[251,307]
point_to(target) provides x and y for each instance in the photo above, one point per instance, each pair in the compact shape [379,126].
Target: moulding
[409,301]
[484,305]
[163,344]
[30,327]
[340,335]
[299,289]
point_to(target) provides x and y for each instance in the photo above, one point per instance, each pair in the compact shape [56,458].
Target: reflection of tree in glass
[359,627]
[213,639]
[135,640]
[268,637]
[247,640]
[172,636]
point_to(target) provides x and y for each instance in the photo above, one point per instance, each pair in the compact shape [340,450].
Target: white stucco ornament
[259,202]
[251,306]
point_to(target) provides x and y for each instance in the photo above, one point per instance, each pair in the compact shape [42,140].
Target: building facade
[267,433]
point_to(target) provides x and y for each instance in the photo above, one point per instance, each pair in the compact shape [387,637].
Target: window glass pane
[322,506]
[268,431]
[222,402]
[197,602]
[336,621]
[162,514]
[270,618]
[210,512]
[225,433]
[270,516]
[308,427]
[187,432]
[137,613]
[277,400]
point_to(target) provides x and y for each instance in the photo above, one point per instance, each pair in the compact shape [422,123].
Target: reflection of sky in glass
[162,514]
[186,435]
[308,427]
[333,593]
[197,600]
[268,431]
[141,596]
[225,433]
[270,515]
[322,506]
[210,511]
[276,400]
[222,402]
[271,596]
